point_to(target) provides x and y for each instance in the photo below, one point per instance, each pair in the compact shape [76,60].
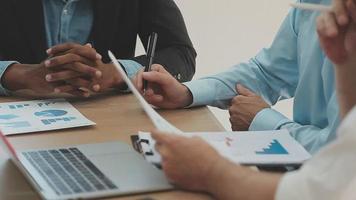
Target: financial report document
[39,115]
[273,148]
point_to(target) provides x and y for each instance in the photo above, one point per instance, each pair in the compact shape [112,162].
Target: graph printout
[39,115]
[248,148]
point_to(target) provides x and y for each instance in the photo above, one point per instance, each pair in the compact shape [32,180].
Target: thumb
[244,91]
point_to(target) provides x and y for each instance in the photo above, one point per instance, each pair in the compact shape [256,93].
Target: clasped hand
[74,69]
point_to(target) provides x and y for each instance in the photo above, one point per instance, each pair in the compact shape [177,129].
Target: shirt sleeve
[131,67]
[273,73]
[3,66]
[309,136]
[328,173]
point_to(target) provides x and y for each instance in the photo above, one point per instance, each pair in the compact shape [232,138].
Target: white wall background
[226,32]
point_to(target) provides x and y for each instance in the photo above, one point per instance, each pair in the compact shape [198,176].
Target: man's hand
[81,66]
[337,32]
[337,35]
[244,108]
[189,163]
[32,77]
[163,90]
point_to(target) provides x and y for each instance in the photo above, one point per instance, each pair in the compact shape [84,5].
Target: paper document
[39,115]
[248,148]
[159,122]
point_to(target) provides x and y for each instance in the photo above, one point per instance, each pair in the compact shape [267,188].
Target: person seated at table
[194,165]
[78,34]
[294,66]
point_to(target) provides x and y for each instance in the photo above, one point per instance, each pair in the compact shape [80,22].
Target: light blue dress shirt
[294,66]
[69,21]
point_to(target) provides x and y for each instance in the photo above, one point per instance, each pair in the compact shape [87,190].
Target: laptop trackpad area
[124,167]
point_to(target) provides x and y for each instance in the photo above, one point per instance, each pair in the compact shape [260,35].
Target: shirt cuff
[131,67]
[3,67]
[268,119]
[201,92]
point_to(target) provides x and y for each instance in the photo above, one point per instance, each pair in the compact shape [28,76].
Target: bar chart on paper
[40,115]
[273,148]
[257,148]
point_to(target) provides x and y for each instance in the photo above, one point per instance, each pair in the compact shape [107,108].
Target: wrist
[14,77]
[215,176]
[187,98]
[116,79]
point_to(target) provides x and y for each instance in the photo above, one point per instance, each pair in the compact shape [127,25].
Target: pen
[312,7]
[151,48]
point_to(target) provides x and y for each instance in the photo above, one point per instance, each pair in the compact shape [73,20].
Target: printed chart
[41,115]
[257,148]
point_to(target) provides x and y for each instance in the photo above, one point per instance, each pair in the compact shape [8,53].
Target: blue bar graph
[55,120]
[273,148]
[20,124]
[45,104]
[18,106]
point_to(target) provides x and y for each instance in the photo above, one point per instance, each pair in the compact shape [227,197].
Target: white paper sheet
[248,148]
[159,122]
[39,115]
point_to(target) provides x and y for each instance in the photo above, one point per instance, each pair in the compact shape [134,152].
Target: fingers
[64,89]
[158,77]
[152,98]
[79,93]
[79,83]
[139,80]
[86,52]
[73,62]
[327,28]
[244,91]
[341,12]
[322,31]
[71,90]
[62,75]
[60,48]
[83,50]
[351,8]
[159,68]
[331,27]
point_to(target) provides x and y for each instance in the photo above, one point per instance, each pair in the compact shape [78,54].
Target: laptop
[87,171]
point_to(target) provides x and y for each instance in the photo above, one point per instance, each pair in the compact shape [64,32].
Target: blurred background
[227,32]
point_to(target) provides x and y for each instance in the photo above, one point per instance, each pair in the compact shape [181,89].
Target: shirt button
[178,76]
[65,11]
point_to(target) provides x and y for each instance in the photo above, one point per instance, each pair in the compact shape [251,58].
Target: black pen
[151,48]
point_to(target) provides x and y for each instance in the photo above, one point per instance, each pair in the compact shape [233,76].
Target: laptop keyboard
[69,171]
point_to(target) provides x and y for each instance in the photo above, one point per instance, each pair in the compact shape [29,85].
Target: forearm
[346,87]
[236,182]
[14,77]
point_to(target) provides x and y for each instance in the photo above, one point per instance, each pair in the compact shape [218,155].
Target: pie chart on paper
[51,113]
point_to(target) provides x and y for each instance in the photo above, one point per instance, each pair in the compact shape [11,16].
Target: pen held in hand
[151,49]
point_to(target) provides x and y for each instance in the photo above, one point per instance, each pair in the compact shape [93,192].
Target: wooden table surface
[117,118]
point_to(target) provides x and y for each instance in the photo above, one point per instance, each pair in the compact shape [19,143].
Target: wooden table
[117,117]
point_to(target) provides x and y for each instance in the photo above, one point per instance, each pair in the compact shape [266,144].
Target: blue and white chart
[249,148]
[39,115]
